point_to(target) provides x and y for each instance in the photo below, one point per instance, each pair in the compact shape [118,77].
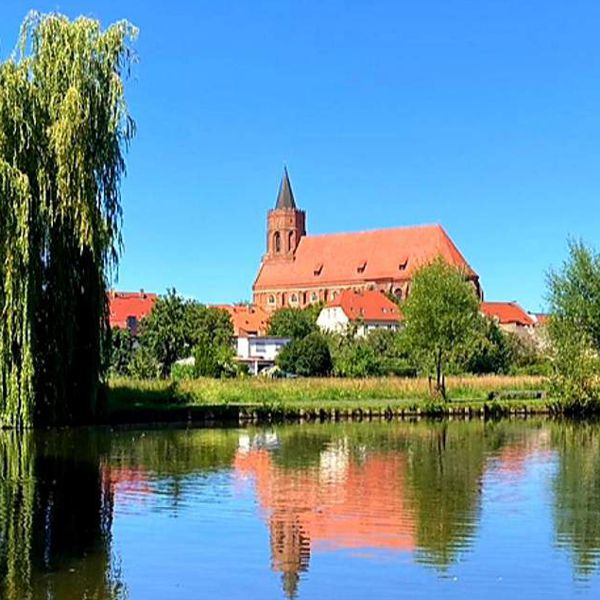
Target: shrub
[308,356]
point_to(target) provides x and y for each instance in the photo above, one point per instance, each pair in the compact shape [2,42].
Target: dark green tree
[122,349]
[492,352]
[309,356]
[64,127]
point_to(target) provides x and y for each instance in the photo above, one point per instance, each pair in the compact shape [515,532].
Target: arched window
[290,241]
[398,293]
[271,299]
[294,299]
[277,242]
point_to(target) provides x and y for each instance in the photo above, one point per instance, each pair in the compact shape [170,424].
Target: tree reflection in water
[55,518]
[577,493]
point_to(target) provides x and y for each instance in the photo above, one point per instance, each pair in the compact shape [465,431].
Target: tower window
[277,242]
[290,241]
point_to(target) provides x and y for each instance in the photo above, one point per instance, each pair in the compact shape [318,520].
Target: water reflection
[418,492]
[56,518]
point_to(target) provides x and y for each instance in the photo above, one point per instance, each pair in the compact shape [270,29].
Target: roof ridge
[365,231]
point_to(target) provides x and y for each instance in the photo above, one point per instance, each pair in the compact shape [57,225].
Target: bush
[122,348]
[295,323]
[309,356]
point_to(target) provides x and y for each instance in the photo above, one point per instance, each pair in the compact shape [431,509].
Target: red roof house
[507,313]
[247,320]
[127,309]
[373,309]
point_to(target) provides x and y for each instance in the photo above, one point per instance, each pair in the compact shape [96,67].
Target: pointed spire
[285,197]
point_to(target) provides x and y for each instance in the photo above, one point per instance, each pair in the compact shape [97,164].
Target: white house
[259,352]
[368,310]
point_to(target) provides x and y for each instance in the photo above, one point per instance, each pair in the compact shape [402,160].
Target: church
[299,269]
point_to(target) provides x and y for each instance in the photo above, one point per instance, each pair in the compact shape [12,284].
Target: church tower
[285,224]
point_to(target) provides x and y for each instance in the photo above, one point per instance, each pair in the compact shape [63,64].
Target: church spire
[285,197]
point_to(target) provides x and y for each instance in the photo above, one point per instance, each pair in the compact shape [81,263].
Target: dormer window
[317,270]
[402,263]
[361,267]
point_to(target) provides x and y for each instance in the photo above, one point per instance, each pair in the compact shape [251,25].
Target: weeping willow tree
[64,128]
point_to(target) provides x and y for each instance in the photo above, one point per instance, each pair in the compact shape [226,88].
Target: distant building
[259,352]
[510,316]
[298,269]
[127,309]
[246,319]
[368,310]
[250,327]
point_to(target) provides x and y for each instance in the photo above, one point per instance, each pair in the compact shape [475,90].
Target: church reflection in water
[345,502]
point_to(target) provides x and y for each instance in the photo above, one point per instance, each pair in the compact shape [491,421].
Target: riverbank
[263,400]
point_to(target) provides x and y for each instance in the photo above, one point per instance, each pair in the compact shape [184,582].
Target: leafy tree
[122,348]
[214,358]
[64,128]
[178,328]
[574,295]
[164,332]
[308,356]
[143,364]
[441,319]
[207,321]
[295,323]
[493,352]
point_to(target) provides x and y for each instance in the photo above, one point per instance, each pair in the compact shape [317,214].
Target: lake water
[509,509]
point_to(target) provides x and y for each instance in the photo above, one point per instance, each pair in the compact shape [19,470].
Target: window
[290,241]
[361,267]
[277,242]
[314,297]
[271,299]
[398,293]
[318,268]
[294,299]
[402,263]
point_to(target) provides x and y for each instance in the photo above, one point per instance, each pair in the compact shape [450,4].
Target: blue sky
[483,116]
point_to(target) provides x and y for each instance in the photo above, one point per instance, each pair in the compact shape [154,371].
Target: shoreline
[251,401]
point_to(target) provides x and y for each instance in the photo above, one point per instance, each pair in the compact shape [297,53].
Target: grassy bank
[326,398]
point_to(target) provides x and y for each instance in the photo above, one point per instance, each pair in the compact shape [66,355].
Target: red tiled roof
[541,319]
[347,258]
[506,312]
[123,305]
[368,306]
[247,320]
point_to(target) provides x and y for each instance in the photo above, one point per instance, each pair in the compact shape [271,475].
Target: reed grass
[128,393]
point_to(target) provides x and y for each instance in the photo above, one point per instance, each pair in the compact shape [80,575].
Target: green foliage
[442,321]
[183,371]
[176,327]
[308,356]
[214,358]
[64,126]
[379,353]
[295,323]
[574,294]
[492,352]
[122,349]
[143,364]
